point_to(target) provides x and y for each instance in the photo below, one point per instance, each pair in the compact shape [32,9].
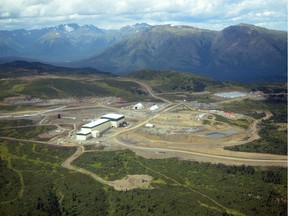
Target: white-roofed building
[138,106]
[234,94]
[154,107]
[81,135]
[148,125]
[95,128]
[99,125]
[115,119]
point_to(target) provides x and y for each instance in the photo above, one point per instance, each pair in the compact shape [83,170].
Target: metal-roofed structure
[95,128]
[99,124]
[82,135]
[115,119]
[94,123]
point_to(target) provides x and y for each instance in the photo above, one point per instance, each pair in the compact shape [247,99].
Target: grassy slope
[23,68]
[273,131]
[9,129]
[63,88]
[169,81]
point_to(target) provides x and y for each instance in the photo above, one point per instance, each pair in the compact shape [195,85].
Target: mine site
[127,143]
[184,129]
[143,108]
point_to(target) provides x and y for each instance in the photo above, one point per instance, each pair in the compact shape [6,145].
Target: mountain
[62,43]
[160,47]
[249,52]
[242,52]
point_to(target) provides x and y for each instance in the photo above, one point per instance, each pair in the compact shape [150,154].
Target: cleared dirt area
[179,130]
[184,131]
[131,182]
[127,183]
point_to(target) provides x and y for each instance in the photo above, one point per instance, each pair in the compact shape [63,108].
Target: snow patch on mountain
[68,28]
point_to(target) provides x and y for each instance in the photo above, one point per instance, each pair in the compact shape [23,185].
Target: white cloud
[115,14]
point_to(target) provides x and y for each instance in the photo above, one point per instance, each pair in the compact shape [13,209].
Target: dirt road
[127,183]
[224,156]
[148,88]
[143,181]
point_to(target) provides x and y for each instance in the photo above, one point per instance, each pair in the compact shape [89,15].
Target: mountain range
[242,52]
[66,42]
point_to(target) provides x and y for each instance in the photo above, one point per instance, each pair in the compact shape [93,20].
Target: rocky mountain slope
[242,52]
[62,43]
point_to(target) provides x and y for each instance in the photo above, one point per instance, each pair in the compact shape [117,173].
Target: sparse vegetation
[23,129]
[171,81]
[244,123]
[33,182]
[273,136]
[272,140]
[62,87]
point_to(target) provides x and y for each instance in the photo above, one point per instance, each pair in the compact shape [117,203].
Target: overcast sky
[114,14]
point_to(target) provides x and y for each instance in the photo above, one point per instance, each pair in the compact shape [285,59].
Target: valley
[191,135]
[143,108]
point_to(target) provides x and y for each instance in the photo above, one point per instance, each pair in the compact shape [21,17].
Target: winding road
[255,159]
[235,158]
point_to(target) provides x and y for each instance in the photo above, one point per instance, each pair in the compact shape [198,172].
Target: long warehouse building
[94,128]
[99,125]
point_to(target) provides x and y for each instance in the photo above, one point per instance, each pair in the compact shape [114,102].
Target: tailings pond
[219,135]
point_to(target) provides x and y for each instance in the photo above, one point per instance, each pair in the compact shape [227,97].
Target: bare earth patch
[131,182]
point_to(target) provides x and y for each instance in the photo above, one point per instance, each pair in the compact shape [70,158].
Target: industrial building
[94,128]
[115,119]
[99,125]
[233,94]
[81,135]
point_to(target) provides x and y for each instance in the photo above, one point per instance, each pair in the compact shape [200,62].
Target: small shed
[154,107]
[149,125]
[138,106]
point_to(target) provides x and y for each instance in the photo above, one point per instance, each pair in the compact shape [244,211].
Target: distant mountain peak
[237,52]
[141,25]
[246,26]
[91,28]
[69,27]
[136,27]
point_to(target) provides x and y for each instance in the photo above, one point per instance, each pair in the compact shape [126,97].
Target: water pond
[219,135]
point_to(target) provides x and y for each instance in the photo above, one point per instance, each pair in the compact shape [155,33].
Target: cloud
[115,14]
